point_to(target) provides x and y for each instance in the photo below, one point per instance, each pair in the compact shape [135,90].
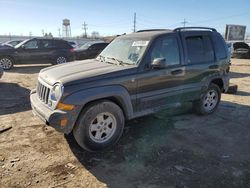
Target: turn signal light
[62,106]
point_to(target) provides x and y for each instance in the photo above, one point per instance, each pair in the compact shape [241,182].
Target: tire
[99,126]
[6,62]
[209,101]
[60,60]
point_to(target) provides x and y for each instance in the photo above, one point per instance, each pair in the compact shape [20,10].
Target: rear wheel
[6,63]
[209,101]
[99,126]
[60,60]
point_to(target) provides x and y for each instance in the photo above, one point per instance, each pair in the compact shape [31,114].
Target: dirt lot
[168,149]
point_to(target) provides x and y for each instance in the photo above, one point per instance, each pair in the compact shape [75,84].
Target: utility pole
[43,32]
[59,32]
[84,27]
[184,22]
[134,22]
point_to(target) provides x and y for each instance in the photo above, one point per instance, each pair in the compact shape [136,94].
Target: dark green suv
[135,75]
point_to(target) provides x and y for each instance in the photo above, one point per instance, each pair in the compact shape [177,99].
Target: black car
[89,50]
[37,50]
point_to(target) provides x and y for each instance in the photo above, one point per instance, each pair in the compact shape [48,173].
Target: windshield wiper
[118,62]
[101,58]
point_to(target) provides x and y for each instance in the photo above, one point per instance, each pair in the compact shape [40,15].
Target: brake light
[72,50]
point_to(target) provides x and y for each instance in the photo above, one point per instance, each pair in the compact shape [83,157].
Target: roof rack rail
[148,30]
[190,28]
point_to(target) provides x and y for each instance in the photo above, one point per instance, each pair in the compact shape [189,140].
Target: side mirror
[23,47]
[159,63]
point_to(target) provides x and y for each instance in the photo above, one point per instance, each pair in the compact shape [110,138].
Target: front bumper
[53,117]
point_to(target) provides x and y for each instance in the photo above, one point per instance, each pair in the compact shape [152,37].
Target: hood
[77,70]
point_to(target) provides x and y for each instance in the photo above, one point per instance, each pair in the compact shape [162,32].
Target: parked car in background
[37,50]
[241,50]
[73,44]
[1,71]
[89,50]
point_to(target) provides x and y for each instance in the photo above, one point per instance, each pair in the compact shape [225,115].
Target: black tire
[207,104]
[92,124]
[6,62]
[60,60]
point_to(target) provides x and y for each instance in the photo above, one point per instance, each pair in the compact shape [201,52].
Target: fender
[83,97]
[225,79]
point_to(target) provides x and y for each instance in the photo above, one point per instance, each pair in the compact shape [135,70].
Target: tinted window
[46,44]
[33,44]
[220,47]
[62,44]
[167,48]
[199,49]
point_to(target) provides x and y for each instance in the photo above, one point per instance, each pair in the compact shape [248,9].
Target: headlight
[55,94]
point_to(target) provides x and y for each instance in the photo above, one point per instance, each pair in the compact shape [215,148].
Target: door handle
[178,71]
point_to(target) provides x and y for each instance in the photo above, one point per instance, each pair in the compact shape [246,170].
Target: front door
[158,88]
[30,52]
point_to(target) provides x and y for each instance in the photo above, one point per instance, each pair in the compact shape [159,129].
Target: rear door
[48,48]
[199,62]
[159,88]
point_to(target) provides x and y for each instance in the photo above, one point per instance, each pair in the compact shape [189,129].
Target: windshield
[86,46]
[127,50]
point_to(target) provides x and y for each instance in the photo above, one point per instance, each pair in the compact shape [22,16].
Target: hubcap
[210,100]
[61,60]
[103,127]
[6,63]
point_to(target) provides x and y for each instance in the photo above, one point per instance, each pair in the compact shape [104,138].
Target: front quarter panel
[82,97]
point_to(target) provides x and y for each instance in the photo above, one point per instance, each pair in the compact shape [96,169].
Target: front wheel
[6,63]
[209,101]
[99,126]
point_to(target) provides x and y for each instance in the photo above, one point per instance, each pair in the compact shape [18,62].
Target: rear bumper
[53,117]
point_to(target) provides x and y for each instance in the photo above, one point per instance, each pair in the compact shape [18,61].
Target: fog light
[62,106]
[63,122]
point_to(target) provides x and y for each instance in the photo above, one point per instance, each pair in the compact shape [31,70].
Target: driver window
[166,47]
[33,44]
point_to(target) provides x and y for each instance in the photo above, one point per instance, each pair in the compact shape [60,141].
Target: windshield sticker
[140,43]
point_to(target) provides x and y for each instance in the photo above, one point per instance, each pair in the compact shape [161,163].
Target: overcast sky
[20,17]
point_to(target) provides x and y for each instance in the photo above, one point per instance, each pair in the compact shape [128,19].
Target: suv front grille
[43,92]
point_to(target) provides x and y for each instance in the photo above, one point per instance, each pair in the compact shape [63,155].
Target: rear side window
[221,50]
[199,49]
[62,44]
[48,44]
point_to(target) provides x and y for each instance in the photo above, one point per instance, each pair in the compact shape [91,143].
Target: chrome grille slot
[43,92]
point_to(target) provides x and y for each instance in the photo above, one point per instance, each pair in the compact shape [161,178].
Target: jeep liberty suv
[135,75]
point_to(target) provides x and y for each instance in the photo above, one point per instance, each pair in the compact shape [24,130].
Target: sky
[111,17]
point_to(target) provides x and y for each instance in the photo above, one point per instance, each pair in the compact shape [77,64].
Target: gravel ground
[173,148]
